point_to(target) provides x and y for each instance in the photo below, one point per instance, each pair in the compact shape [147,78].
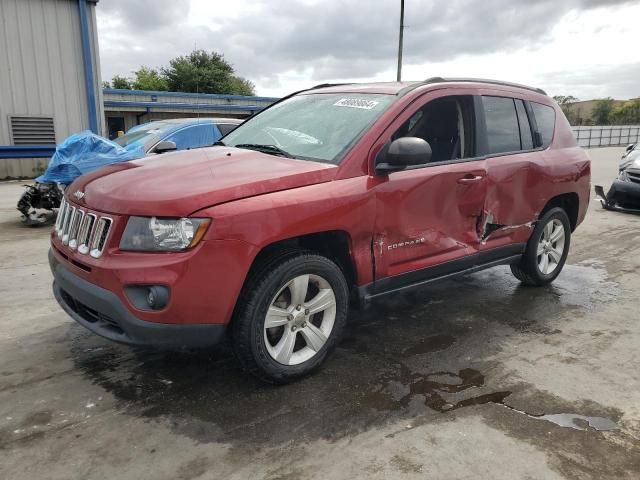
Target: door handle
[470,178]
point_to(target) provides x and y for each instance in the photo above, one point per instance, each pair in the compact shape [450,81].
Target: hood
[630,161]
[178,184]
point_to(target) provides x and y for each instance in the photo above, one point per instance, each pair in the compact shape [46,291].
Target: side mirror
[402,153]
[165,146]
[630,147]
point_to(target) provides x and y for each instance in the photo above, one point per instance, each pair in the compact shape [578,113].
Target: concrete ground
[474,378]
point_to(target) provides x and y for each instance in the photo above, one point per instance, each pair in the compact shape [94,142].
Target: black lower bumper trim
[102,312]
[622,196]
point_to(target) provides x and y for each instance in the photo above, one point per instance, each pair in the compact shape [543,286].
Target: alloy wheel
[550,247]
[300,319]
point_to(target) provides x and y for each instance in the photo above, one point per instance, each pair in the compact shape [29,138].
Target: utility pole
[399,77]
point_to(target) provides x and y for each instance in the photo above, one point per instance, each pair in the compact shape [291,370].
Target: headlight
[623,176]
[154,234]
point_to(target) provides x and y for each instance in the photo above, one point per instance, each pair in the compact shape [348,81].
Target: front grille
[64,217]
[71,211]
[100,236]
[82,230]
[634,175]
[85,233]
[61,210]
[76,220]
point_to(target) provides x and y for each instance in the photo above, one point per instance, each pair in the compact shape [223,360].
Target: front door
[427,217]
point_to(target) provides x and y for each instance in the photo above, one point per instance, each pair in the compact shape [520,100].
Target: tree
[601,111]
[121,82]
[241,86]
[566,104]
[626,113]
[149,79]
[106,84]
[565,99]
[204,72]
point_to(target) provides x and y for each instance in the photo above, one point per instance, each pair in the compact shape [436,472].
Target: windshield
[312,127]
[141,133]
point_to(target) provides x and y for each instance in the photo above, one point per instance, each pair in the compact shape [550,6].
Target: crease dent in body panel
[488,226]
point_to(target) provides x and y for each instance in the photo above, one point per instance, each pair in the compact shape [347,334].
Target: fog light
[151,298]
[148,297]
[157,297]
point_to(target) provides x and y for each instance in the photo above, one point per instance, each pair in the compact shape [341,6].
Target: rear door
[515,170]
[427,217]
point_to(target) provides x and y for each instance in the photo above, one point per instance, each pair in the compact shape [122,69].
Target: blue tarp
[84,152]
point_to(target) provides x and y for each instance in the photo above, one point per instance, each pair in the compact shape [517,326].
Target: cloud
[325,40]
[143,16]
[596,81]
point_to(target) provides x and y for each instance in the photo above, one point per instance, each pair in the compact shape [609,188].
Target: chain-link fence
[606,136]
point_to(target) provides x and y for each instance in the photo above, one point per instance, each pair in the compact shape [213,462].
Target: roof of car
[235,121]
[401,88]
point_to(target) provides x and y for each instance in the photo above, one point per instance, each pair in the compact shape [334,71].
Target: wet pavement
[477,377]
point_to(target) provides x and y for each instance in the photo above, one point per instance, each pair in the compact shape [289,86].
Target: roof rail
[325,85]
[479,80]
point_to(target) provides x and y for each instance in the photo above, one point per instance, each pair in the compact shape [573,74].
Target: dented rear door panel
[517,189]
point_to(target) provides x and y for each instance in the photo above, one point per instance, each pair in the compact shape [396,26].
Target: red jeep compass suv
[332,196]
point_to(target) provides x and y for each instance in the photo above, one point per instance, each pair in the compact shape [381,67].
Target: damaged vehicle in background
[331,197]
[624,193]
[84,152]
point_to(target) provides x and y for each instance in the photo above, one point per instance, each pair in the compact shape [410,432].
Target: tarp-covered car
[624,193]
[85,152]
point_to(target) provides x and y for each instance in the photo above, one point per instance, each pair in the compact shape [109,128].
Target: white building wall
[42,72]
[41,64]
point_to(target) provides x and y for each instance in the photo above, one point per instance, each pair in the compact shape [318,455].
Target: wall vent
[32,130]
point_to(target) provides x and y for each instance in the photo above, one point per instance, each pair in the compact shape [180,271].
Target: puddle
[577,422]
[441,392]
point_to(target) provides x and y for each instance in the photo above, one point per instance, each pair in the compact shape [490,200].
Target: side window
[226,128]
[546,121]
[193,136]
[447,124]
[526,138]
[503,134]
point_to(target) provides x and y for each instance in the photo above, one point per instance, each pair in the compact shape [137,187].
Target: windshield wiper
[270,149]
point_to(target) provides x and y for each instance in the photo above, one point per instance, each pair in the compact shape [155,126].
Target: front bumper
[623,196]
[102,312]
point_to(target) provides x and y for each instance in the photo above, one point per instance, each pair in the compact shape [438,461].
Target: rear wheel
[546,250]
[291,314]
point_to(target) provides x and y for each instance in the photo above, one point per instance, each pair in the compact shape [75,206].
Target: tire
[532,270]
[299,339]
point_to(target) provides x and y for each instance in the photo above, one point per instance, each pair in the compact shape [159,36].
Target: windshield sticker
[356,103]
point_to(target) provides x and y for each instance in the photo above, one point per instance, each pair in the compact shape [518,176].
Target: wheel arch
[569,202]
[333,244]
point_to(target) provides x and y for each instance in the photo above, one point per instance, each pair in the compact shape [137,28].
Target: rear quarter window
[546,121]
[226,128]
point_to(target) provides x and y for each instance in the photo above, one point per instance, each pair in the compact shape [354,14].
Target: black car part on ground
[38,197]
[622,196]
[624,193]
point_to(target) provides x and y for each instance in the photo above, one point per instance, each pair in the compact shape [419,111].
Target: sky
[584,48]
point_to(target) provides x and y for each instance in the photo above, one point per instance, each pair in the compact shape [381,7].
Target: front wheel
[291,314]
[546,250]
